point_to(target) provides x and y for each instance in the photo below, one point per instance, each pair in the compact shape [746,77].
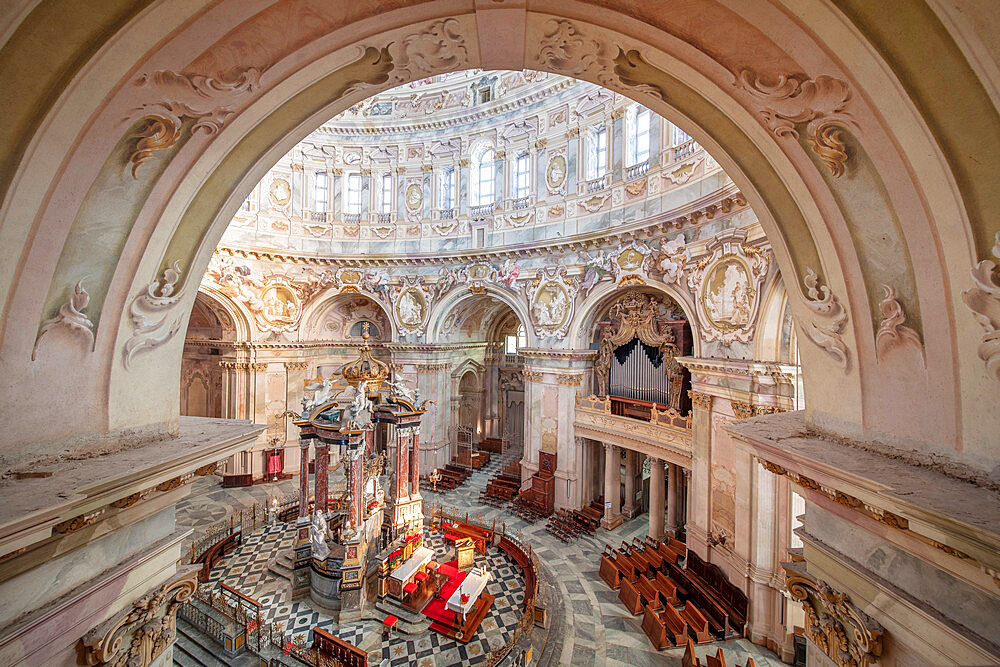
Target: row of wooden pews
[503,487]
[526,508]
[568,525]
[718,660]
[677,602]
[452,477]
[493,445]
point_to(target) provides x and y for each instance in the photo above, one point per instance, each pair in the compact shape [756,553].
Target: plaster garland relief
[984,301]
[154,314]
[824,329]
[70,316]
[892,333]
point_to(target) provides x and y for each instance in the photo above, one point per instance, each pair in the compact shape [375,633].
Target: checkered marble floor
[246,571]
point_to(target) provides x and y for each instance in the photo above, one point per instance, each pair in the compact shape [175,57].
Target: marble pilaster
[612,488]
[656,498]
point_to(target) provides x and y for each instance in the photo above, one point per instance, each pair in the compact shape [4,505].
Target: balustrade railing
[383,218]
[317,216]
[597,184]
[520,203]
[636,170]
[686,149]
[483,210]
[446,214]
[627,408]
[352,218]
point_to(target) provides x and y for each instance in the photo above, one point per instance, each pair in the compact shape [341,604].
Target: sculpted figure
[602,367]
[317,537]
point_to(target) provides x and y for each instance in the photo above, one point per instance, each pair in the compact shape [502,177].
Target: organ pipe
[638,378]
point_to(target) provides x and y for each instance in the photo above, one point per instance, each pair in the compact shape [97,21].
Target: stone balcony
[666,435]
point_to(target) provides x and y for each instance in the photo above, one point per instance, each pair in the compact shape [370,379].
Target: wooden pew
[627,567]
[678,546]
[649,592]
[676,626]
[630,597]
[689,659]
[667,553]
[609,573]
[655,629]
[719,660]
[667,589]
[697,623]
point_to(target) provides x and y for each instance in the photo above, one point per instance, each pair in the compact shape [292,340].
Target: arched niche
[449,315]
[333,316]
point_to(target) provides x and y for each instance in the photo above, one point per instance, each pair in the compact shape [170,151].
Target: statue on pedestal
[317,537]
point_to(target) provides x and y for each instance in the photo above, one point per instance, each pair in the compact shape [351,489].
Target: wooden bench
[655,629]
[630,597]
[667,589]
[697,623]
[718,660]
[689,659]
[667,553]
[676,626]
[649,592]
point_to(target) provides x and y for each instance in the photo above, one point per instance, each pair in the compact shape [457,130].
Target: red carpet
[435,609]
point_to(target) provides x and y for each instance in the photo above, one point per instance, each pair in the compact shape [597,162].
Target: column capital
[700,400]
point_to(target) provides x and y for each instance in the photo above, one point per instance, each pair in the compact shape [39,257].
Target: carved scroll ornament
[71,317]
[154,314]
[820,103]
[984,302]
[149,627]
[892,333]
[824,330]
[843,632]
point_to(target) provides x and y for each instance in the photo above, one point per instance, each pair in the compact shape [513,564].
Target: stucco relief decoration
[555,174]
[850,637]
[518,220]
[671,259]
[438,47]
[477,275]
[594,203]
[411,305]
[70,316]
[595,267]
[984,302]
[726,285]
[628,263]
[683,173]
[154,314]
[892,333]
[349,279]
[280,307]
[136,637]
[564,49]
[550,301]
[280,192]
[830,317]
[820,103]
[209,101]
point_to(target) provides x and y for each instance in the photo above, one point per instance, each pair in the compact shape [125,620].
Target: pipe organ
[637,372]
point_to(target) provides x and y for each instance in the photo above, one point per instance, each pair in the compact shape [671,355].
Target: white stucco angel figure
[401,390]
[317,536]
[508,273]
[378,282]
[595,267]
[672,259]
[323,392]
[361,407]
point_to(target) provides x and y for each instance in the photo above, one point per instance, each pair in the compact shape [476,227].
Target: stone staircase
[410,622]
[193,648]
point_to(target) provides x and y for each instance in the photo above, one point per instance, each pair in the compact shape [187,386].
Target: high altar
[347,552]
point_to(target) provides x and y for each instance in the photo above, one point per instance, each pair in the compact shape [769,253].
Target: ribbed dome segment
[366,369]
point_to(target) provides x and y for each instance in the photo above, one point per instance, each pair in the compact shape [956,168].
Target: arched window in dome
[679,136]
[358,328]
[483,176]
[636,135]
[353,206]
[597,152]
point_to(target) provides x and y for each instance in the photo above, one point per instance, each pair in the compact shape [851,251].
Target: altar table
[473,586]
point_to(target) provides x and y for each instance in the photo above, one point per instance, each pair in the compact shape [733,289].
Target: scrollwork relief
[563,48]
[154,314]
[824,330]
[820,103]
[71,317]
[842,631]
[984,302]
[892,333]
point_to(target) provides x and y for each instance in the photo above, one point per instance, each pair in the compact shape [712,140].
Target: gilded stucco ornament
[154,314]
[209,101]
[70,317]
[555,174]
[984,302]
[628,263]
[850,637]
[727,285]
[830,317]
[820,103]
[135,637]
[550,301]
[892,333]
